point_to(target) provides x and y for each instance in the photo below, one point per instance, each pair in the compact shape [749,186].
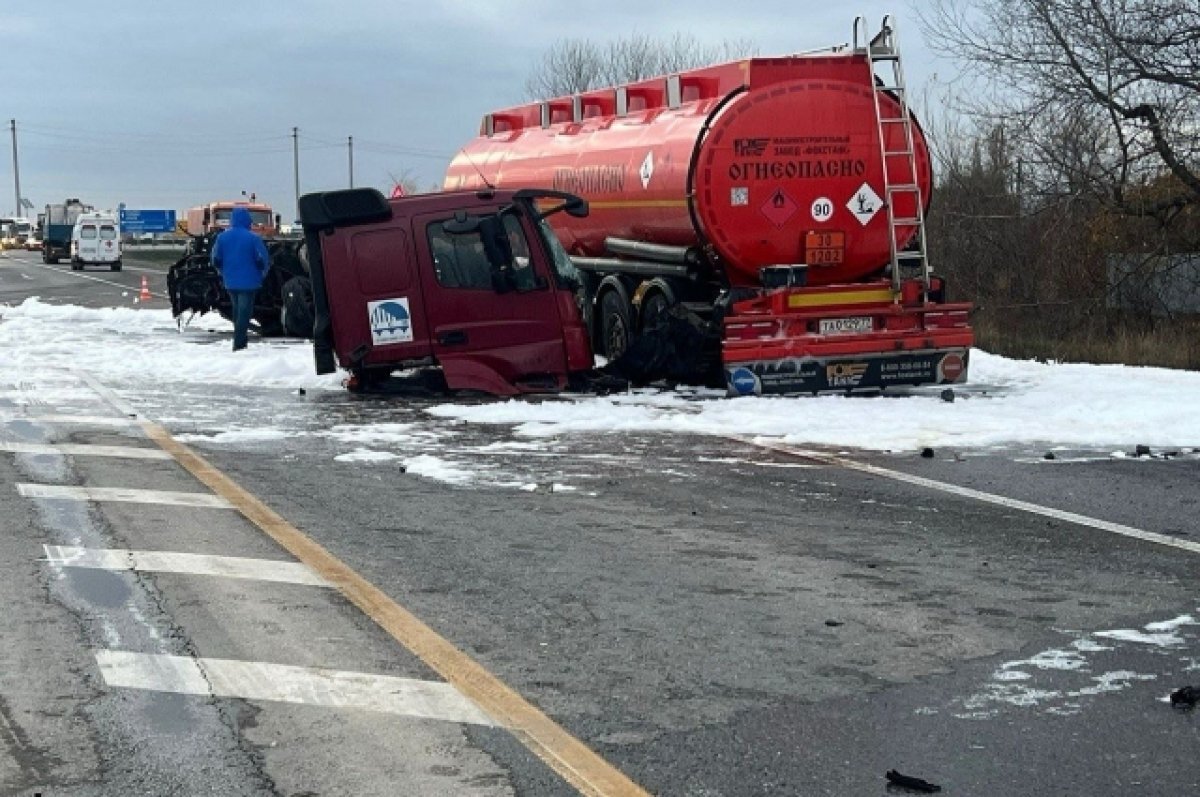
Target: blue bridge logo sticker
[390,321]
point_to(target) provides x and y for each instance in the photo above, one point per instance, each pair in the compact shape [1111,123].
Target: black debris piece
[927,453]
[681,347]
[1186,697]
[911,783]
[302,392]
[834,623]
[1049,455]
[948,395]
[1141,451]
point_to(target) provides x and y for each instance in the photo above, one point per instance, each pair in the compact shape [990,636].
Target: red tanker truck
[777,202]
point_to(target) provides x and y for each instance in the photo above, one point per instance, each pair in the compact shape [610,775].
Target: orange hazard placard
[824,248]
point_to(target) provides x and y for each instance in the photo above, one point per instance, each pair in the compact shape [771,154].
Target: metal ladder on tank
[914,257]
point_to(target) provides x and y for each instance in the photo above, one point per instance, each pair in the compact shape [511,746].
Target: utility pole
[350,146]
[16,172]
[296,165]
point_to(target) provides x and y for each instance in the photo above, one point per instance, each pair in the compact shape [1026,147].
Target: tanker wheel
[614,325]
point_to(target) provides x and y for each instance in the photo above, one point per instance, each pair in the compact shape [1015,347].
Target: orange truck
[215,217]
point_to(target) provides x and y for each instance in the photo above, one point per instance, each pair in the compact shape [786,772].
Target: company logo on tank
[589,179]
[792,157]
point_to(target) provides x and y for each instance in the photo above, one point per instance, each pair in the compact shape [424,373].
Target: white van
[96,241]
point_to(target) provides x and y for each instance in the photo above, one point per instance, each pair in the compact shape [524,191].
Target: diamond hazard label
[647,169]
[779,207]
[864,204]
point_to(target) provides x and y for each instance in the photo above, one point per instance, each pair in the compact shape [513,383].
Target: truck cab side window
[522,268]
[459,260]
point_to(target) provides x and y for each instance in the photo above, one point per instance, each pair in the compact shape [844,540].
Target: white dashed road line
[122,494]
[184,563]
[89,420]
[979,495]
[73,449]
[252,680]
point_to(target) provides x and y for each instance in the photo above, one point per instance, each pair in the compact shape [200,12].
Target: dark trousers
[243,308]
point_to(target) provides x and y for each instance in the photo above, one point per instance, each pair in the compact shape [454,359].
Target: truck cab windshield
[565,272]
[258,218]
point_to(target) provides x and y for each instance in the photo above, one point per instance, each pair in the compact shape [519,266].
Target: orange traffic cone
[144,296]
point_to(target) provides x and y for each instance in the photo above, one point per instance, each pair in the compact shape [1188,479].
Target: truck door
[89,238]
[109,244]
[503,338]
[374,297]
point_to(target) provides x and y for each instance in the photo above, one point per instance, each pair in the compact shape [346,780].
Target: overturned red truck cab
[472,281]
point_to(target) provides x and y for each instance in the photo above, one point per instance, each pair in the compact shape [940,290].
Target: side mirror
[574,205]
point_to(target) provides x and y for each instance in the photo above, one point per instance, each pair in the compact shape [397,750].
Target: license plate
[845,326]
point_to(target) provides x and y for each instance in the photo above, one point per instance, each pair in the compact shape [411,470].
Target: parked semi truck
[58,224]
[776,203]
[281,307]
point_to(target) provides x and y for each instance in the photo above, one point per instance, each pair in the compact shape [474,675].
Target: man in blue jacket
[241,257]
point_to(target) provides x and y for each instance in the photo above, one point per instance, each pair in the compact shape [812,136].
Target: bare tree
[572,66]
[1119,78]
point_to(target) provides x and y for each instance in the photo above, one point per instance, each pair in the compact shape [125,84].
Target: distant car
[33,244]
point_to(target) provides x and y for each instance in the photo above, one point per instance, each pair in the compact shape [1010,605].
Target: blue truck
[57,223]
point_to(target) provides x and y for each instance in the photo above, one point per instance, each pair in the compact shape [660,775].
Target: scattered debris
[834,623]
[927,453]
[948,395]
[302,392]
[911,783]
[1049,455]
[1186,697]
[1141,450]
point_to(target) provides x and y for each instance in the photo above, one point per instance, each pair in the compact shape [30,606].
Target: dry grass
[1166,344]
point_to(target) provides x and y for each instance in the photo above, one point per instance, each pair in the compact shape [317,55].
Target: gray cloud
[160,105]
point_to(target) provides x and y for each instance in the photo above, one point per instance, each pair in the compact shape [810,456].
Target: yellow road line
[566,755]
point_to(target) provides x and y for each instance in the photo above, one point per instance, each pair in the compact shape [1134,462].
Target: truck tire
[267,325]
[296,314]
[615,330]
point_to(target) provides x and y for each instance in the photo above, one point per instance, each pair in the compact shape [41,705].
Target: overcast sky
[162,105]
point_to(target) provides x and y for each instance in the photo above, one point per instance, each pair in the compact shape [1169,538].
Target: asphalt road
[707,616]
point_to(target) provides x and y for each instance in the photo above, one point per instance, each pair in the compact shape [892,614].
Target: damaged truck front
[472,282]
[283,306]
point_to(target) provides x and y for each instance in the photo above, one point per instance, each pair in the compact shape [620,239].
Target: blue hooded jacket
[240,255]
